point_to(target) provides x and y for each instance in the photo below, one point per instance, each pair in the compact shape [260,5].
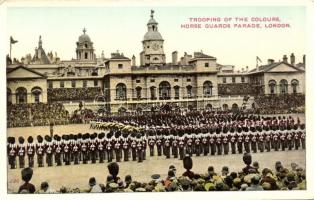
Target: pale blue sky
[123,28]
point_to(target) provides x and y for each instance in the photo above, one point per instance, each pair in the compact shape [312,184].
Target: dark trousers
[49,160]
[22,161]
[31,161]
[40,160]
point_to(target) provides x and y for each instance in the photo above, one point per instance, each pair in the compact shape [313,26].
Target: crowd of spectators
[250,178]
[73,94]
[82,116]
[274,104]
[36,114]
[235,89]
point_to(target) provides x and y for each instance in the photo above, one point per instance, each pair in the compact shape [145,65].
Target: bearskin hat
[302,126]
[79,136]
[47,138]
[247,158]
[71,136]
[40,138]
[75,137]
[21,140]
[187,163]
[27,174]
[30,139]
[55,137]
[113,169]
[11,140]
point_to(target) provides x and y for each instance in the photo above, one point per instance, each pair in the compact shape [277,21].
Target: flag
[12,41]
[258,59]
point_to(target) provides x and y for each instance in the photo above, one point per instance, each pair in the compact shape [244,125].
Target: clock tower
[153,48]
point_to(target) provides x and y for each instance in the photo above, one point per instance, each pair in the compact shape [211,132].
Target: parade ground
[77,176]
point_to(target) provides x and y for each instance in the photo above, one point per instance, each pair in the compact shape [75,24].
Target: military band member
[84,149]
[117,148]
[139,148]
[218,143]
[93,148]
[12,152]
[240,141]
[21,151]
[296,139]
[66,150]
[197,145]
[144,143]
[189,144]
[233,141]
[276,140]
[212,144]
[261,142]
[283,141]
[151,144]
[126,147]
[109,147]
[253,142]
[268,141]
[167,146]
[159,144]
[30,148]
[40,151]
[174,146]
[133,146]
[49,150]
[205,146]
[181,146]
[289,140]
[101,147]
[247,142]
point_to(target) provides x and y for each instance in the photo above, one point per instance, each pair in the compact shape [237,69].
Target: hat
[44,185]
[113,185]
[266,186]
[184,181]
[21,140]
[155,176]
[113,169]
[209,187]
[244,186]
[11,140]
[247,158]
[128,178]
[92,181]
[30,139]
[27,174]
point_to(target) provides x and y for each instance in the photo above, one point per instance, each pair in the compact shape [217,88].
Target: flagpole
[10,49]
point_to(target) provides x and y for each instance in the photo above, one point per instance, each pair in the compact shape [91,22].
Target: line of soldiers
[220,141]
[76,149]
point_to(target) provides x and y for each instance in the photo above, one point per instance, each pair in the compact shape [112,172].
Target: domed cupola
[84,48]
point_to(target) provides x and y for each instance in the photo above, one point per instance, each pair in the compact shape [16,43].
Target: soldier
[240,139]
[30,148]
[197,144]
[296,138]
[260,141]
[302,136]
[76,150]
[159,143]
[212,144]
[117,147]
[181,145]
[189,144]
[225,142]
[247,142]
[109,147]
[133,146]
[12,151]
[40,151]
[289,139]
[66,150]
[267,140]
[93,148]
[167,146]
[144,143]
[205,146]
[151,143]
[253,141]
[126,147]
[58,150]
[218,143]
[101,147]
[232,141]
[21,152]
[275,140]
[48,150]
[283,140]
[174,146]
[139,148]
[84,148]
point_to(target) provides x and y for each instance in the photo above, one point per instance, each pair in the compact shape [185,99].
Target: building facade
[117,84]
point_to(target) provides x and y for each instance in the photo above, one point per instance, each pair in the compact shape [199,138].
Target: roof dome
[84,37]
[152,35]
[152,21]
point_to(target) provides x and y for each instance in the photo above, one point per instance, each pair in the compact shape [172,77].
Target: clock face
[155,46]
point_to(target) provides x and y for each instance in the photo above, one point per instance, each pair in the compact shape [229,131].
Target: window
[21,95]
[242,79]
[207,88]
[294,84]
[153,92]
[233,79]
[176,92]
[86,55]
[36,92]
[152,80]
[73,84]
[84,83]
[138,81]
[189,91]
[224,80]
[164,90]
[121,91]
[138,93]
[272,86]
[206,64]
[85,45]
[61,84]
[95,83]
[120,66]
[283,86]
[50,84]
[188,80]
[176,80]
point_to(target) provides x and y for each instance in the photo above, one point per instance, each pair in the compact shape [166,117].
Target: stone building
[195,81]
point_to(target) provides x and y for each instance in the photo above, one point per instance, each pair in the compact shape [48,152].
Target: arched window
[283,86]
[86,55]
[153,92]
[295,85]
[209,106]
[225,107]
[9,96]
[121,91]
[189,91]
[155,59]
[36,93]
[207,88]
[21,95]
[235,107]
[176,92]
[272,86]
[138,92]
[164,90]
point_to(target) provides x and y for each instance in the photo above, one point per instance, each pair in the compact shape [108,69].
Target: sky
[123,28]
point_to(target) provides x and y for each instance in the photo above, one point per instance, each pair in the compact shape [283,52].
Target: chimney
[247,68]
[285,59]
[270,61]
[133,61]
[304,60]
[292,59]
[175,58]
